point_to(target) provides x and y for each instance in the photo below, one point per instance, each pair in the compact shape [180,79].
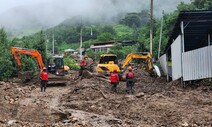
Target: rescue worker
[82,65]
[44,79]
[114,80]
[129,80]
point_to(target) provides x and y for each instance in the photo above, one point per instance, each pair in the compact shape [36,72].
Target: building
[102,46]
[105,46]
[188,53]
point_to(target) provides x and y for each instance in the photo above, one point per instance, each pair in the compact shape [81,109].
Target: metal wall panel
[197,64]
[163,63]
[176,58]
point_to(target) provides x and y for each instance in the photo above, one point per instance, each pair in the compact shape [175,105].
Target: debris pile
[90,102]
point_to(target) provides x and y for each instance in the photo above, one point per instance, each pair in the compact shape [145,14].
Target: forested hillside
[132,26]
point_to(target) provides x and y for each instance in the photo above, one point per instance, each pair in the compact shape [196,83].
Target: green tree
[121,51]
[71,62]
[202,4]
[105,37]
[6,64]
[107,29]
[40,45]
[132,19]
[123,32]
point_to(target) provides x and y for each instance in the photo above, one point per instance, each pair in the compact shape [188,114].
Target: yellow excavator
[141,55]
[151,68]
[108,62]
[58,72]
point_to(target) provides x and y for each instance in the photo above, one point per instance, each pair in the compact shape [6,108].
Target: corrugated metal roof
[197,26]
[101,46]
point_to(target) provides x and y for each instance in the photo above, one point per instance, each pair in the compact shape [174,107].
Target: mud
[90,102]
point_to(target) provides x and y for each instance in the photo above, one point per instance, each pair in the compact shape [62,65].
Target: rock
[84,123]
[194,125]
[2,83]
[130,97]
[93,106]
[74,119]
[66,121]
[68,113]
[12,100]
[185,124]
[139,95]
[11,122]
[17,98]
[7,97]
[76,125]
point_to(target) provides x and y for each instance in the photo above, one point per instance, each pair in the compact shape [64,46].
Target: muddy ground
[90,103]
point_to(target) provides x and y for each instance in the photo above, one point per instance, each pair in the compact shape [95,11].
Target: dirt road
[90,102]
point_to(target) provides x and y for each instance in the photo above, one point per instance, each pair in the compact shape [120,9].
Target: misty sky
[45,13]
[8,4]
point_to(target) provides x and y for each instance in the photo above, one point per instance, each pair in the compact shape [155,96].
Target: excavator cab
[107,63]
[58,72]
[56,65]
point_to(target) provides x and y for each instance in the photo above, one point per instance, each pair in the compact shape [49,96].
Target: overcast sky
[8,4]
[46,13]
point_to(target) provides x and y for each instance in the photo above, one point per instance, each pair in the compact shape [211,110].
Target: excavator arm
[16,51]
[142,55]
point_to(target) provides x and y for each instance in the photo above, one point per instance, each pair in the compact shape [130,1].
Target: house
[102,46]
[188,53]
[105,46]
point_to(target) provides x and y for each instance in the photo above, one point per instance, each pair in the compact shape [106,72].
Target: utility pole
[91,32]
[81,43]
[161,31]
[53,44]
[46,42]
[151,26]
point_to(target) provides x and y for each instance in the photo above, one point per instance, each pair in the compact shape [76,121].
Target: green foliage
[87,44]
[131,19]
[136,19]
[29,63]
[95,55]
[143,39]
[6,68]
[91,54]
[63,46]
[123,32]
[185,7]
[195,5]
[202,4]
[40,45]
[71,62]
[121,51]
[107,29]
[105,37]
[71,34]
[107,33]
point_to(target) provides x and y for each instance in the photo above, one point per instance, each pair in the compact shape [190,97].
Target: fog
[46,13]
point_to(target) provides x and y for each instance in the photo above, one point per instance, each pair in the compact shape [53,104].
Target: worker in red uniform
[82,65]
[129,80]
[44,79]
[114,80]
